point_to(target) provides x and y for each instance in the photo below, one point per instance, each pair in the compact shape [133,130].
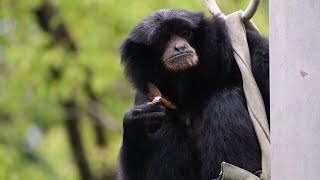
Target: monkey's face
[178,54]
[167,40]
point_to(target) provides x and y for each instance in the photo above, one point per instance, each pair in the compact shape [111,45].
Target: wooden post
[295,89]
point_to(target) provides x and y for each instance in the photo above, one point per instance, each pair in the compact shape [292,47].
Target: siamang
[189,58]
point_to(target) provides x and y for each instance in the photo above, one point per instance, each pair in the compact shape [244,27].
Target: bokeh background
[62,89]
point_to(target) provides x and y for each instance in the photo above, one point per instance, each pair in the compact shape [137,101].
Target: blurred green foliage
[28,97]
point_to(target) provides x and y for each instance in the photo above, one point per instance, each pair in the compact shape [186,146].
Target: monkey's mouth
[180,56]
[181,61]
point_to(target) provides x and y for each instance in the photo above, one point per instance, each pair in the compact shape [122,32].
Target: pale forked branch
[214,8]
[251,10]
[246,15]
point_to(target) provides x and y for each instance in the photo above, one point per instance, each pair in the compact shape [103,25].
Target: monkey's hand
[143,120]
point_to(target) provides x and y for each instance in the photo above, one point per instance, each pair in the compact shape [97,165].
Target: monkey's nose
[179,47]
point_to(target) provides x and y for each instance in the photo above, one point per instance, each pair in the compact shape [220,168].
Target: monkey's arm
[138,125]
[154,147]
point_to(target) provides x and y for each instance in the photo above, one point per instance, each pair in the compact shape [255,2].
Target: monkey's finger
[149,107]
[150,117]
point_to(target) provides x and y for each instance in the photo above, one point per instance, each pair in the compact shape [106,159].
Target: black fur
[159,143]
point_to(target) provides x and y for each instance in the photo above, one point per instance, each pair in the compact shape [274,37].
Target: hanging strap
[238,38]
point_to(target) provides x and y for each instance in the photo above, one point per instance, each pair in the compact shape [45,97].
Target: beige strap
[231,172]
[238,38]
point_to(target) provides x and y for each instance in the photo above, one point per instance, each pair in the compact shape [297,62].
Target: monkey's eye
[186,34]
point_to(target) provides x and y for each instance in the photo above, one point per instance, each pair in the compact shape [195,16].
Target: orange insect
[156,96]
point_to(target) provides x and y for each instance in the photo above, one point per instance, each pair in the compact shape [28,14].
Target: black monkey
[190,59]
